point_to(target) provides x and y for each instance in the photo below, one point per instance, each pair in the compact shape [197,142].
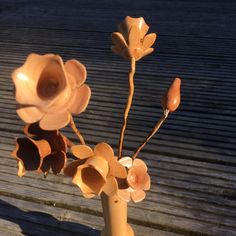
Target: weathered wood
[192,160]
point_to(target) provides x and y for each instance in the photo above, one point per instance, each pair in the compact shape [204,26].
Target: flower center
[51,82]
[92,179]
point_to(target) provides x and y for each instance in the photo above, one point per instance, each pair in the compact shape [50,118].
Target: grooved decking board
[192,161]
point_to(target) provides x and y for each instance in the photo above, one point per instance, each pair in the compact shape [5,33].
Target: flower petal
[118,40]
[148,182]
[58,162]
[104,150]
[134,37]
[117,170]
[88,195]
[124,194]
[26,77]
[70,169]
[137,177]
[149,40]
[147,52]
[21,169]
[110,188]
[139,162]
[128,22]
[29,114]
[77,70]
[80,99]
[138,196]
[82,151]
[52,121]
[27,153]
[126,161]
[33,129]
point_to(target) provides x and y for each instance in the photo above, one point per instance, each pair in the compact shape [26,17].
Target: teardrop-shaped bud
[171,100]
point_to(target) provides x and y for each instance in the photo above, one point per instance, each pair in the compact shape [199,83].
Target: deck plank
[192,161]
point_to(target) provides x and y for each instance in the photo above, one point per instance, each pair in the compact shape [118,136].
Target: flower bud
[171,99]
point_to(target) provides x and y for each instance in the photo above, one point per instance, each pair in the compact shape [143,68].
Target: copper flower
[48,90]
[171,100]
[96,170]
[131,41]
[138,180]
[41,150]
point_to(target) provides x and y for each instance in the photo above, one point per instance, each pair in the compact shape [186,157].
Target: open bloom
[48,90]
[95,170]
[131,40]
[41,150]
[137,180]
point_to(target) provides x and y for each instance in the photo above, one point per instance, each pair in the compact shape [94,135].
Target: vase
[115,217]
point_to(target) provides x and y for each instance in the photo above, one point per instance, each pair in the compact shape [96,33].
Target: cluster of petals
[137,180]
[96,170]
[131,40]
[48,90]
[40,150]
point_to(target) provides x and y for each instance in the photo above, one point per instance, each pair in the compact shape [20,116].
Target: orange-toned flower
[96,170]
[41,150]
[131,40]
[171,100]
[137,180]
[48,90]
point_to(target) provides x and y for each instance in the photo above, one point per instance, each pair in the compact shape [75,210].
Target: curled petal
[52,121]
[77,70]
[118,40]
[104,150]
[29,114]
[82,151]
[70,169]
[80,100]
[138,196]
[149,40]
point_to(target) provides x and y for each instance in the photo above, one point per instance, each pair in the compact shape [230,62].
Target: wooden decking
[192,160]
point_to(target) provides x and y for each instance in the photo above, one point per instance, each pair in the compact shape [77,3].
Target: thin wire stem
[74,128]
[153,131]
[128,105]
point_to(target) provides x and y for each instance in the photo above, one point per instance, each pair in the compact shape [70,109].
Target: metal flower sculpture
[95,170]
[40,150]
[131,41]
[48,92]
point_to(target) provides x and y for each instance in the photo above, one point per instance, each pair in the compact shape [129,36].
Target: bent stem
[74,128]
[128,105]
[153,131]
